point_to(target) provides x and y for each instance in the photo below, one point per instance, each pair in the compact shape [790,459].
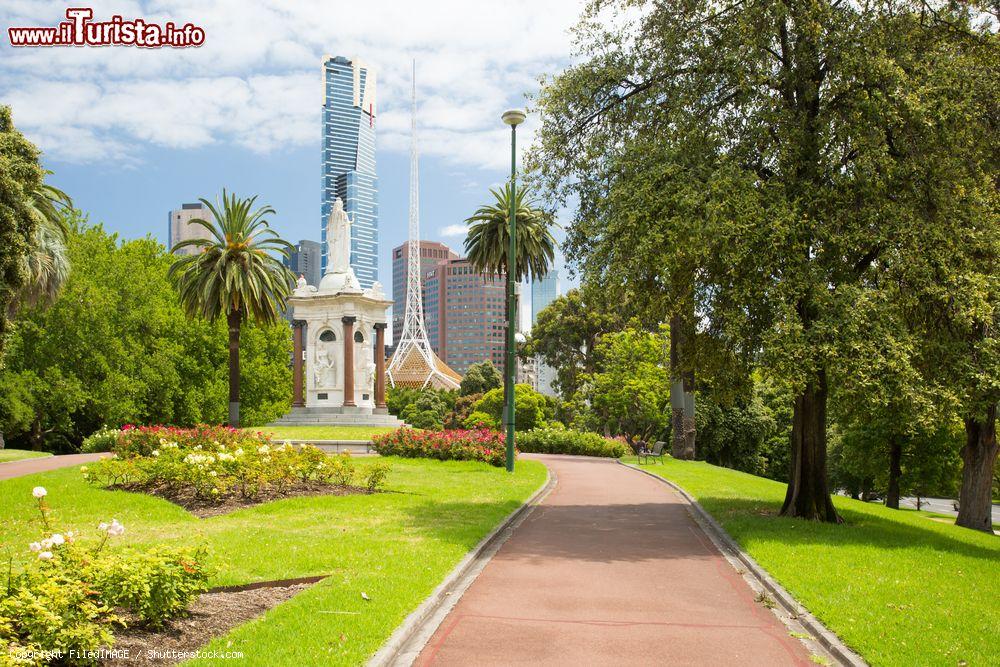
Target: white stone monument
[339,336]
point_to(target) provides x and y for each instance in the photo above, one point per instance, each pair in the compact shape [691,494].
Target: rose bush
[70,594]
[213,463]
[460,445]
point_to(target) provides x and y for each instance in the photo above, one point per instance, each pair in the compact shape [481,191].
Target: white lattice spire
[413,339]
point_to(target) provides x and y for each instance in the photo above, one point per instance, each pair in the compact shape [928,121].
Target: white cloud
[256,81]
[454,230]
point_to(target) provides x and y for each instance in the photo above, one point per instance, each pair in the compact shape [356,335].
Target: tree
[47,261]
[20,176]
[480,378]
[115,347]
[629,394]
[235,275]
[489,235]
[759,145]
[567,331]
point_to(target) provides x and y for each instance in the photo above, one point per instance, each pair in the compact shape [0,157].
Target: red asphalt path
[31,466]
[610,569]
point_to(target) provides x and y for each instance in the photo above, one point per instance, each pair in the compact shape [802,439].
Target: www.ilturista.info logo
[79,30]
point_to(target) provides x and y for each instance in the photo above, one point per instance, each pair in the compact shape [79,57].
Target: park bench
[656,453]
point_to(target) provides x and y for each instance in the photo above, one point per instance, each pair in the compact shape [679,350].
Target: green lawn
[898,587]
[323,432]
[395,547]
[19,454]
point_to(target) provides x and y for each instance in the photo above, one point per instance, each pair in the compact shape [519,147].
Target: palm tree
[47,261]
[237,273]
[488,237]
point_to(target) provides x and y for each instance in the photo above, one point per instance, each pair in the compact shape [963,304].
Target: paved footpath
[610,570]
[31,466]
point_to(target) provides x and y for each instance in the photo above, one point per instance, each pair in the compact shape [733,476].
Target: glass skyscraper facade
[544,292]
[349,110]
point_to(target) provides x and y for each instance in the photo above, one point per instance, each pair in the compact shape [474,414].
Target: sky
[132,133]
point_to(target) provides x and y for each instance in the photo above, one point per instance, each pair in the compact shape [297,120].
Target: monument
[338,331]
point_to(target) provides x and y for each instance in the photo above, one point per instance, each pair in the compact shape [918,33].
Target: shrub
[481,420]
[154,585]
[212,464]
[460,445]
[101,441]
[63,603]
[531,409]
[561,441]
[375,475]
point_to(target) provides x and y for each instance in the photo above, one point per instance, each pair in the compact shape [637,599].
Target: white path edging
[406,642]
[728,546]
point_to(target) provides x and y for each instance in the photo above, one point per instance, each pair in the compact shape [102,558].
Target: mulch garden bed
[204,508]
[212,615]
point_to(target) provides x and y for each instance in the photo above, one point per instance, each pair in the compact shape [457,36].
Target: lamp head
[513,117]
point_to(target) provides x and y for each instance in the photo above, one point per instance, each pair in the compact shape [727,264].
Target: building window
[358,337]
[328,336]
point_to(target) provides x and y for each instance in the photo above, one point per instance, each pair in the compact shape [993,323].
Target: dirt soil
[211,615]
[204,508]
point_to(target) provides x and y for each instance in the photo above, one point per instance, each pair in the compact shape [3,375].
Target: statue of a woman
[338,239]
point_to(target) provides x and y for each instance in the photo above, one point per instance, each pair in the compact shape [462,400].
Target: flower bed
[579,443]
[219,467]
[74,592]
[461,445]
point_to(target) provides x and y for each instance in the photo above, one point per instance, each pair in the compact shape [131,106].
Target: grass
[323,432]
[395,547]
[20,454]
[898,587]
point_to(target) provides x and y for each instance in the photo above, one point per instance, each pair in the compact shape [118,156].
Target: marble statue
[326,365]
[338,238]
[301,282]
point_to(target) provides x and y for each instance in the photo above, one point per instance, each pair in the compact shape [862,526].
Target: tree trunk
[682,424]
[234,319]
[979,455]
[808,494]
[895,472]
[3,443]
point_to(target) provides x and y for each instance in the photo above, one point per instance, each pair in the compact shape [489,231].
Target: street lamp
[512,117]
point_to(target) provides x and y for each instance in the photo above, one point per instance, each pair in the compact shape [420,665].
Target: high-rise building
[544,292]
[179,227]
[305,260]
[431,252]
[349,109]
[464,313]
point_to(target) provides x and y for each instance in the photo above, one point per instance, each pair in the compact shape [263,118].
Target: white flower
[58,540]
[156,452]
[70,535]
[39,492]
[263,449]
[45,555]
[102,526]
[35,546]
[47,544]
[214,474]
[266,459]
[238,452]
[115,528]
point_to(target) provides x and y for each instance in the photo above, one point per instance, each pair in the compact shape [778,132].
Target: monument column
[298,358]
[380,365]
[348,360]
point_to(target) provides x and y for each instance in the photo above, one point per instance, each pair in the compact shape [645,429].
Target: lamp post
[512,117]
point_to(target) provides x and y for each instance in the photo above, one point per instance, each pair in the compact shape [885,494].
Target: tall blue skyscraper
[543,292]
[349,108]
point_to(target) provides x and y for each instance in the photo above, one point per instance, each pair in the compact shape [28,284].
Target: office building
[349,111]
[179,227]
[431,253]
[306,260]
[543,292]
[464,314]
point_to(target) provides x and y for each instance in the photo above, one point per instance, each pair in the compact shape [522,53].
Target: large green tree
[487,242]
[20,177]
[756,149]
[115,347]
[567,331]
[236,273]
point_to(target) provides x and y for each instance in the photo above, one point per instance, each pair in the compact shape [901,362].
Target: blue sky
[131,133]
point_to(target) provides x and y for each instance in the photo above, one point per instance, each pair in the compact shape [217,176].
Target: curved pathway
[610,569]
[31,466]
